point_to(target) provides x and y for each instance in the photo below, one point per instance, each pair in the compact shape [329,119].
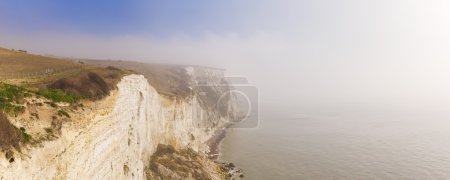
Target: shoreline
[215,141]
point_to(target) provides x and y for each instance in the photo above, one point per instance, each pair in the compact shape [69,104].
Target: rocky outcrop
[118,138]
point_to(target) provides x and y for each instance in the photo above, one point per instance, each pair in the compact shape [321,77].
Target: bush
[113,68]
[26,137]
[49,130]
[63,113]
[89,85]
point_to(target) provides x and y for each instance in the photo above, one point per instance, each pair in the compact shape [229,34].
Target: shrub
[113,68]
[89,85]
[49,130]
[63,113]
[26,137]
[53,105]
[36,115]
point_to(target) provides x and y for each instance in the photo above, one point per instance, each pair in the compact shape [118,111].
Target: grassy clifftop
[35,72]
[46,92]
[12,61]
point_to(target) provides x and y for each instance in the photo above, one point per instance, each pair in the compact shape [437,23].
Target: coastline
[214,143]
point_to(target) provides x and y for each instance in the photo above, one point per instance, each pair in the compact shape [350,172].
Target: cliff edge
[134,133]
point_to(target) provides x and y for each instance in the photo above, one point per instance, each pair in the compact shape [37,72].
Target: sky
[296,51]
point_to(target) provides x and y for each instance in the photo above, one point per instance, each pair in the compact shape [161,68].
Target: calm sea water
[384,141]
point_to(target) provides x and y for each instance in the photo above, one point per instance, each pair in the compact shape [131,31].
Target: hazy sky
[301,51]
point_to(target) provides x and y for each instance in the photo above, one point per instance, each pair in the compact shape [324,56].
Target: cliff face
[117,139]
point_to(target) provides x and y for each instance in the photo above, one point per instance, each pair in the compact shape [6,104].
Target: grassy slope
[168,80]
[75,82]
[19,62]
[14,61]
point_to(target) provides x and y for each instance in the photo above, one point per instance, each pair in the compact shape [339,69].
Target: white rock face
[117,141]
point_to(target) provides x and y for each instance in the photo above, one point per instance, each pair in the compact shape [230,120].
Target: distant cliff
[136,133]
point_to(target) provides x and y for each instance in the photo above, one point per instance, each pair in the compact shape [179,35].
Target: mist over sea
[382,140]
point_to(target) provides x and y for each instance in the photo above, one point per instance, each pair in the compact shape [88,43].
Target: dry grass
[75,78]
[14,61]
[168,80]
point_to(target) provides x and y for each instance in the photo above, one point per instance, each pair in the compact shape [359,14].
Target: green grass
[10,92]
[26,137]
[10,97]
[57,95]
[10,108]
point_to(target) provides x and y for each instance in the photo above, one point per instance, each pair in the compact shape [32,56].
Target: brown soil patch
[10,136]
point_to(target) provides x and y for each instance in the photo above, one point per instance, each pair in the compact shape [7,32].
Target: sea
[387,140]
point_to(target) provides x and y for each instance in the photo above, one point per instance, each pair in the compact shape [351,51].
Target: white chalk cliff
[117,139]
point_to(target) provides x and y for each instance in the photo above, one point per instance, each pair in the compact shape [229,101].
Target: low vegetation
[62,113]
[49,130]
[13,62]
[58,95]
[89,85]
[25,136]
[168,163]
[92,84]
[11,98]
